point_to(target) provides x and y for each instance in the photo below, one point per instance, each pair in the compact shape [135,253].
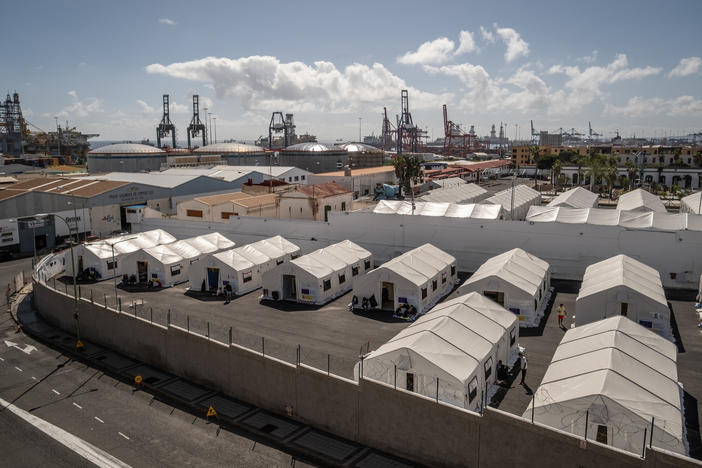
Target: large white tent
[448,210]
[692,203]
[318,277]
[420,277]
[577,197]
[516,280]
[621,285]
[159,265]
[640,200]
[523,197]
[242,267]
[620,380]
[453,349]
[466,193]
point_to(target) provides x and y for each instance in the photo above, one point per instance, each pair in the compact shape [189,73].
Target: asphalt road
[130,425]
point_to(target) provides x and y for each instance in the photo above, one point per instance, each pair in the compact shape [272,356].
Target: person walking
[228,293]
[523,366]
[561,314]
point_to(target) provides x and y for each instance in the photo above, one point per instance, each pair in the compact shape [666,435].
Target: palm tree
[409,171]
[535,156]
[631,171]
[556,172]
[581,161]
[612,174]
[595,171]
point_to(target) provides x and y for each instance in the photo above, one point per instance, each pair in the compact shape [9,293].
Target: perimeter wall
[367,412]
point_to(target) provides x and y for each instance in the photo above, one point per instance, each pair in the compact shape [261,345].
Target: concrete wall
[367,412]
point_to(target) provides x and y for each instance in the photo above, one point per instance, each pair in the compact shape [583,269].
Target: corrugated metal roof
[127,148]
[323,190]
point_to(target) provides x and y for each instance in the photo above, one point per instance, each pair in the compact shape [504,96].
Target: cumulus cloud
[466,43]
[687,66]
[431,52]
[263,82]
[587,59]
[167,21]
[483,91]
[516,46]
[681,106]
[144,107]
[78,107]
[487,35]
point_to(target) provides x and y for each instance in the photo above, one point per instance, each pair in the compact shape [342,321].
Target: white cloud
[636,107]
[78,108]
[687,66]
[466,43]
[487,35]
[516,46]
[587,59]
[431,52]
[483,92]
[167,21]
[263,82]
[144,108]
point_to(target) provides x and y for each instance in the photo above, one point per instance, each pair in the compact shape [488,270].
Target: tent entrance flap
[388,296]
[289,287]
[80,263]
[212,278]
[496,296]
[142,271]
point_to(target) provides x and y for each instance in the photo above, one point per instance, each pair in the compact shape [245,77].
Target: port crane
[196,127]
[166,127]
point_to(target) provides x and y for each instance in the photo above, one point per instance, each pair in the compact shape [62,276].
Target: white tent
[449,210]
[466,193]
[454,349]
[159,264]
[647,220]
[621,285]
[524,197]
[318,277]
[640,200]
[692,203]
[578,197]
[618,378]
[420,277]
[242,267]
[516,280]
[212,242]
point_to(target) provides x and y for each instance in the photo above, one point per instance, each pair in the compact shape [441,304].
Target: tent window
[354,271]
[112,265]
[279,262]
[443,278]
[488,368]
[512,336]
[193,213]
[175,270]
[433,285]
[247,276]
[472,389]
[424,293]
[625,309]
[601,434]
[342,279]
[410,382]
[367,264]
[453,270]
[327,285]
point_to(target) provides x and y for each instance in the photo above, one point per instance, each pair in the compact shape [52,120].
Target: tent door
[80,263]
[212,278]
[496,296]
[142,272]
[410,382]
[388,302]
[601,434]
[289,287]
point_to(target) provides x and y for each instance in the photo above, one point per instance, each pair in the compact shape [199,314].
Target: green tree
[631,171]
[697,158]
[535,152]
[595,170]
[556,172]
[408,170]
[612,174]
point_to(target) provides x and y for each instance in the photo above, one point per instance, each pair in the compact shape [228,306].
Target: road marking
[34,378]
[99,420]
[1,359]
[26,350]
[55,391]
[123,436]
[19,369]
[84,449]
[77,405]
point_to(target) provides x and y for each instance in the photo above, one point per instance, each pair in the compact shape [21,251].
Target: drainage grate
[327,445]
[376,460]
[266,422]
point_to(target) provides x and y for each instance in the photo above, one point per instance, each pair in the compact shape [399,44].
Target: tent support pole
[437,389]
[643,449]
[395,376]
[533,403]
[650,435]
[587,417]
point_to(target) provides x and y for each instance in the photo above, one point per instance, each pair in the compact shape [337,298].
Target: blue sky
[632,66]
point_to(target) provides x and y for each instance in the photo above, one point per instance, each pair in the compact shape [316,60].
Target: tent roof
[218,240]
[516,267]
[159,236]
[449,210]
[253,254]
[268,249]
[163,254]
[456,194]
[623,271]
[454,338]
[283,244]
[421,264]
[691,203]
[234,259]
[523,195]
[605,217]
[578,197]
[641,200]
[336,257]
[101,250]
[186,250]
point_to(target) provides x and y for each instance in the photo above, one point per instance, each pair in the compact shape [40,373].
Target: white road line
[34,378]
[99,420]
[1,359]
[77,405]
[55,391]
[19,369]
[123,435]
[86,450]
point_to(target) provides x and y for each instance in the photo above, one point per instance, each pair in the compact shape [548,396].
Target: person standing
[561,314]
[523,366]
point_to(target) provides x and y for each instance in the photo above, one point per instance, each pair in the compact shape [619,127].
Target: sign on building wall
[131,194]
[78,220]
[9,232]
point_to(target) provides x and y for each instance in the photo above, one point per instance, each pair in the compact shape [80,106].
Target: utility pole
[215,128]
[207,127]
[359,129]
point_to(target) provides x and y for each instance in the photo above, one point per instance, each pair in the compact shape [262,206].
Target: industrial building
[313,157]
[362,182]
[615,382]
[126,157]
[362,155]
[236,154]
[314,202]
